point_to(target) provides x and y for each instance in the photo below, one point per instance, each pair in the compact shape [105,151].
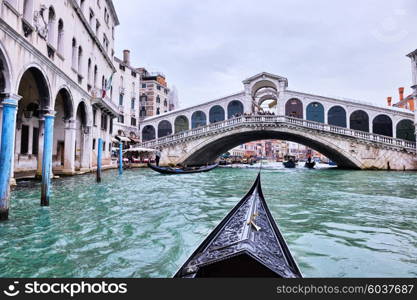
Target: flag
[108,86]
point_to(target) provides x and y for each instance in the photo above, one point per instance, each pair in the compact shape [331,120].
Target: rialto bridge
[354,134]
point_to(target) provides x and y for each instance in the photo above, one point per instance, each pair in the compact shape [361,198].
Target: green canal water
[337,223]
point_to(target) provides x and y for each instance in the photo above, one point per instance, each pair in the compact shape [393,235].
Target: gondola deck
[173,171]
[247,243]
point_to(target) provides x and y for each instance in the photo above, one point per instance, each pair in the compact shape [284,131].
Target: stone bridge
[354,134]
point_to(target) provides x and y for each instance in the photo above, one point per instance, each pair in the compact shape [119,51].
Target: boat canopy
[123,138]
[139,149]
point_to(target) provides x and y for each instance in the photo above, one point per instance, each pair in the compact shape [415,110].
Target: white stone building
[56,57]
[413,57]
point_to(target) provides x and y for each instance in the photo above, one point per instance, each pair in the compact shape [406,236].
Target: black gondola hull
[310,165]
[174,171]
[247,243]
[290,164]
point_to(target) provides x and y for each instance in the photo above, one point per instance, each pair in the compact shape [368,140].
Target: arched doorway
[337,116]
[181,124]
[63,141]
[216,114]
[198,119]
[80,136]
[382,125]
[406,130]
[35,102]
[234,108]
[148,133]
[315,112]
[164,129]
[359,120]
[294,108]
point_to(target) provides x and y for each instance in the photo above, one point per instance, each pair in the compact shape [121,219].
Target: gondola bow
[247,243]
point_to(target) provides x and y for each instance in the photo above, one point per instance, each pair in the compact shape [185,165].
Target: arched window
[60,47]
[181,124]
[51,26]
[216,114]
[294,108]
[359,120]
[28,10]
[74,54]
[234,108]
[80,60]
[89,72]
[95,76]
[382,125]
[315,112]
[142,112]
[337,116]
[164,129]
[148,133]
[198,119]
[103,82]
[158,111]
[406,130]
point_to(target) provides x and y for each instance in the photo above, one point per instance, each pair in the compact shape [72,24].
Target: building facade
[56,59]
[413,57]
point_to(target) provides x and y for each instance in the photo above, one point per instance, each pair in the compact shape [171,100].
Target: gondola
[189,170]
[310,165]
[290,162]
[247,243]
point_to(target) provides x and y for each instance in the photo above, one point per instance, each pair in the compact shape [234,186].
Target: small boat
[187,170]
[310,165]
[290,162]
[247,243]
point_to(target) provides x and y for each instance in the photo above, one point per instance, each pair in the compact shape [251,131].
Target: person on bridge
[157,156]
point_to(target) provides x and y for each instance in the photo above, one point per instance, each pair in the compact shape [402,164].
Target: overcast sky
[353,49]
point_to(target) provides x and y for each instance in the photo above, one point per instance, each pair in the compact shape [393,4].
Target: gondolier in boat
[246,243]
[157,157]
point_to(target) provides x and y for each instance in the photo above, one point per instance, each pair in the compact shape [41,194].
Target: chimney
[401,90]
[389,100]
[126,57]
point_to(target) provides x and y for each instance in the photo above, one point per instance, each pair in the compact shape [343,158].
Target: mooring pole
[6,154]
[99,158]
[47,159]
[120,158]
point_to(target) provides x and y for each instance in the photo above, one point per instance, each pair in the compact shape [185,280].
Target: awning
[123,138]
[135,140]
[139,149]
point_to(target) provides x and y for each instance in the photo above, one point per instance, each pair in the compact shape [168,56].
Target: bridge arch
[337,116]
[234,107]
[198,119]
[211,148]
[216,114]
[181,124]
[405,130]
[164,128]
[359,120]
[315,112]
[382,124]
[294,108]
[148,133]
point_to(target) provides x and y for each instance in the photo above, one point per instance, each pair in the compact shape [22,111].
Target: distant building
[403,102]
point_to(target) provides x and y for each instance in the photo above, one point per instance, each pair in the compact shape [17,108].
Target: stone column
[69,153]
[6,152]
[86,150]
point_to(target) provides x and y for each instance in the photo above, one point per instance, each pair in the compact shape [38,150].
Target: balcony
[105,104]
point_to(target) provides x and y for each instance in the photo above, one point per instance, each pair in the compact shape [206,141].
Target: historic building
[56,60]
[413,57]
[126,83]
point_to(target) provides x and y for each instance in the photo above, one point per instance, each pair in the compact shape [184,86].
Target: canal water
[337,223]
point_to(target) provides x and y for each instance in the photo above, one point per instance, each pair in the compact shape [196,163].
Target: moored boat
[186,170]
[290,162]
[310,165]
[246,243]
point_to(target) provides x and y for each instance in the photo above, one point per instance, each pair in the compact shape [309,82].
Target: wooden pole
[47,159]
[99,159]
[120,158]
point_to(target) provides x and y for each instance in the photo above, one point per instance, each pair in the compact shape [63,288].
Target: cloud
[353,49]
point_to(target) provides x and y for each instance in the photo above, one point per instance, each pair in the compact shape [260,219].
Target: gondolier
[157,156]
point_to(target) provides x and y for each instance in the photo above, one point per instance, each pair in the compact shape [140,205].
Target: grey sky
[354,49]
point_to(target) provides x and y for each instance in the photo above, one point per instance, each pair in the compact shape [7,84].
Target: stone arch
[81,132]
[198,119]
[148,133]
[209,149]
[5,71]
[337,116]
[234,107]
[216,114]
[262,84]
[164,128]
[382,124]
[294,108]
[359,120]
[406,130]
[41,79]
[181,124]
[315,112]
[64,94]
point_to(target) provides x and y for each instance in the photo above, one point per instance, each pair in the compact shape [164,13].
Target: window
[133,104]
[24,140]
[158,87]
[51,26]
[35,141]
[94,144]
[133,121]
[121,119]
[134,74]
[111,126]
[103,122]
[97,27]
[95,75]
[95,117]
[80,57]
[89,72]
[158,99]
[121,67]
[158,111]
[74,54]
[104,146]
[121,100]
[60,46]
[144,85]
